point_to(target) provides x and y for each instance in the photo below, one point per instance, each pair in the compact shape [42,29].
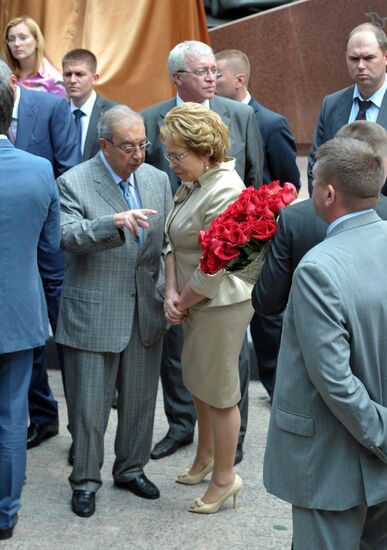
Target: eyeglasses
[202,73]
[21,37]
[130,149]
[175,157]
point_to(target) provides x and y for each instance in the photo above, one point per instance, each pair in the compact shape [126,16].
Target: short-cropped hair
[370,132]
[177,57]
[6,104]
[236,61]
[197,128]
[80,54]
[355,168]
[119,114]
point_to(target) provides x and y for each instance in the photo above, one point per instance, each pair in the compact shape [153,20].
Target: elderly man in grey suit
[111,318]
[366,58]
[192,68]
[327,443]
[79,78]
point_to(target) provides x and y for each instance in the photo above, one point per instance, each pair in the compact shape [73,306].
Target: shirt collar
[117,179]
[179,101]
[247,98]
[15,110]
[346,217]
[87,107]
[377,97]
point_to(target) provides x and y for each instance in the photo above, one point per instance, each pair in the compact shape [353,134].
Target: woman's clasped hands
[174,312]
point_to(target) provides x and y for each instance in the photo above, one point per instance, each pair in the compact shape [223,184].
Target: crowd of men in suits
[115,187]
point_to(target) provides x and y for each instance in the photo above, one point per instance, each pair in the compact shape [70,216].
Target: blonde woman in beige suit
[214,309]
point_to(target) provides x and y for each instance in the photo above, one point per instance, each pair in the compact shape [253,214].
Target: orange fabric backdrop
[131,39]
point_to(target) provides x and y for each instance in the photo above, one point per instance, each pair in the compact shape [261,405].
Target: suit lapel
[218,106]
[167,107]
[107,187]
[382,116]
[92,129]
[26,120]
[145,186]
[343,111]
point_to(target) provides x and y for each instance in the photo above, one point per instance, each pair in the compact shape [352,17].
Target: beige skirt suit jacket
[214,331]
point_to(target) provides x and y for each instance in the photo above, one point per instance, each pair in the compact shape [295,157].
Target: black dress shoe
[71,455]
[36,433]
[140,486]
[167,446]
[8,532]
[83,503]
[238,454]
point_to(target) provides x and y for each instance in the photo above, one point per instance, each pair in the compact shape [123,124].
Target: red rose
[261,228]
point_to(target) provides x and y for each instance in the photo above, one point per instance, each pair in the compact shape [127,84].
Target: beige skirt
[213,338]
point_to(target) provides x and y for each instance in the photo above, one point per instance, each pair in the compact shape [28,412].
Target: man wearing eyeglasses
[192,68]
[111,318]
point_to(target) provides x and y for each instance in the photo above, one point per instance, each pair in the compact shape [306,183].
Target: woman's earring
[206,165]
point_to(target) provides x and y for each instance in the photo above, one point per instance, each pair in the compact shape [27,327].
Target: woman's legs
[205,449]
[218,438]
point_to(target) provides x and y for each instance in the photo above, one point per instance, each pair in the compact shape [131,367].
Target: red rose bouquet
[238,239]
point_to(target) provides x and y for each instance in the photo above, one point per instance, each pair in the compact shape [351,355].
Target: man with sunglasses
[111,318]
[192,68]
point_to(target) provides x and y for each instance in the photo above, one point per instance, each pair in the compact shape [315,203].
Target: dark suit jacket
[29,219]
[46,128]
[334,114]
[298,230]
[279,147]
[246,144]
[92,143]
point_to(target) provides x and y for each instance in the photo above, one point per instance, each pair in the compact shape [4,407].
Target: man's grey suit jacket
[108,276]
[334,114]
[327,440]
[246,144]
[298,230]
[91,147]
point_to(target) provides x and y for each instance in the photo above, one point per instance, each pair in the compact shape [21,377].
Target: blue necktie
[130,195]
[78,114]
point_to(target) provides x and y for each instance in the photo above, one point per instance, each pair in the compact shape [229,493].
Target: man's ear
[239,80]
[331,195]
[177,79]
[103,144]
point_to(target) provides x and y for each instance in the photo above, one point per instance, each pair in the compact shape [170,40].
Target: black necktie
[78,114]
[363,108]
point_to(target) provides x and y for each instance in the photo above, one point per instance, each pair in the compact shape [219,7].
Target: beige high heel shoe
[193,479]
[213,507]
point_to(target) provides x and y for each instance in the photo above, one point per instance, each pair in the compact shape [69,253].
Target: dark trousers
[178,405]
[43,409]
[15,374]
[266,336]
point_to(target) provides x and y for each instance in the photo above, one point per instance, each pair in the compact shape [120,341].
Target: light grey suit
[111,316]
[327,440]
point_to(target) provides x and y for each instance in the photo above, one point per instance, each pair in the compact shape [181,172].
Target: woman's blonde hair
[34,29]
[197,128]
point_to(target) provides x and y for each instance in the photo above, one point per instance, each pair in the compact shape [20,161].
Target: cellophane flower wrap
[238,239]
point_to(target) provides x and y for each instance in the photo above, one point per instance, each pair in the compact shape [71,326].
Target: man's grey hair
[5,69]
[177,57]
[116,115]
[353,166]
[6,103]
